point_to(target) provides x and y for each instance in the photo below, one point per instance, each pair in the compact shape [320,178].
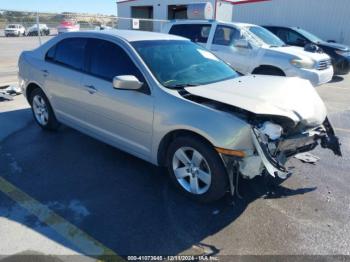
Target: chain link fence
[20,31]
[21,24]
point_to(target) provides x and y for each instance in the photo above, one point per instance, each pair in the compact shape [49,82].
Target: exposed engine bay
[276,139]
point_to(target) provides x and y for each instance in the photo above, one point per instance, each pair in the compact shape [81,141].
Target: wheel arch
[30,88]
[267,68]
[170,137]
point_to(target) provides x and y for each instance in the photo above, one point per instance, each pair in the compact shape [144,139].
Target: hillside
[52,19]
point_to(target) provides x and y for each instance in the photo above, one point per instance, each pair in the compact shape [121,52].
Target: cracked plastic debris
[7,92]
[307,158]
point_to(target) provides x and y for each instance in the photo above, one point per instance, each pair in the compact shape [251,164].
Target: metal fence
[50,24]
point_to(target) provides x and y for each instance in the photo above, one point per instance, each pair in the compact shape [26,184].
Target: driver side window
[107,60]
[292,38]
[226,36]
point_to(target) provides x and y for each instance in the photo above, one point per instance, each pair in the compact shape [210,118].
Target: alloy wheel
[191,170]
[40,109]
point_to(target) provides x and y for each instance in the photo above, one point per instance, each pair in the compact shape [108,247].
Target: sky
[57,6]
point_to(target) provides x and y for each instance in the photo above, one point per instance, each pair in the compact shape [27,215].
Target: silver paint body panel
[137,122]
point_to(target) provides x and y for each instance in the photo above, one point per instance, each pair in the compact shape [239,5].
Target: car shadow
[337,79]
[123,202]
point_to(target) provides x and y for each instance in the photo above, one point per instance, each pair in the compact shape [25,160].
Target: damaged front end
[274,147]
[285,117]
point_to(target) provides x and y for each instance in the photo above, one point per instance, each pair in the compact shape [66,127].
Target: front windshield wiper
[181,86]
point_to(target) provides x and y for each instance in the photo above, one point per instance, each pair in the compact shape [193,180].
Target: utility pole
[38,27]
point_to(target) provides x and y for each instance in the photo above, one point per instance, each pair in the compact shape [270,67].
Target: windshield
[309,36]
[266,36]
[12,26]
[177,64]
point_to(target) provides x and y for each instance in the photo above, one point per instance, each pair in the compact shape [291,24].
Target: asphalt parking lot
[64,193]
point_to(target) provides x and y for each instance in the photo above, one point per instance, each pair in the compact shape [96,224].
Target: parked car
[103,27]
[15,30]
[251,49]
[196,116]
[33,30]
[296,36]
[68,26]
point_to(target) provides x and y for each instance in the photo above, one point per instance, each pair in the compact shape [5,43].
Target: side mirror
[242,43]
[128,82]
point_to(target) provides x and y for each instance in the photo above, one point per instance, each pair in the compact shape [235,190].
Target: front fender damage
[272,165]
[274,154]
[271,155]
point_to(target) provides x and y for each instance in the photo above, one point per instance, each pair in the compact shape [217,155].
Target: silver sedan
[175,104]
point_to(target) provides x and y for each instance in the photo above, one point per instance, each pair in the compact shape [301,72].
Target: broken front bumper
[274,154]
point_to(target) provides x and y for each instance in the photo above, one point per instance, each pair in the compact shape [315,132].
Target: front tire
[42,110]
[196,169]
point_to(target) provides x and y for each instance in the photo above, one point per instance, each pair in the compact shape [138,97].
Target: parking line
[73,234]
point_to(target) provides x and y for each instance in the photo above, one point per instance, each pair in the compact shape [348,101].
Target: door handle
[45,72]
[91,89]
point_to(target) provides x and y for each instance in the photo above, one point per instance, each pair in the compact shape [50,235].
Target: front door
[223,45]
[123,118]
[291,37]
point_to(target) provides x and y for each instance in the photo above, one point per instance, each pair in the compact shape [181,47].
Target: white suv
[251,49]
[15,30]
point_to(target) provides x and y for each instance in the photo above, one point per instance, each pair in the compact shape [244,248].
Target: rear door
[123,118]
[63,71]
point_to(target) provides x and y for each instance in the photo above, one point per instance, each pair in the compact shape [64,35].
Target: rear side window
[50,55]
[198,33]
[108,60]
[226,35]
[70,52]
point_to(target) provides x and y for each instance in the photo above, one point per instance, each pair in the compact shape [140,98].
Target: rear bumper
[274,160]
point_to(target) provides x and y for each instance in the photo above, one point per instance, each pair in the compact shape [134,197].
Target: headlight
[273,131]
[303,63]
[343,53]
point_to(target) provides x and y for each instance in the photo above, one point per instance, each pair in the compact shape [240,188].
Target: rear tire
[42,110]
[196,169]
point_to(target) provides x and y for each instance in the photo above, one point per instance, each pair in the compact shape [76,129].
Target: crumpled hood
[294,98]
[300,52]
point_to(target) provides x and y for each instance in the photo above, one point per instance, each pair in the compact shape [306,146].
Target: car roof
[280,26]
[240,24]
[130,35]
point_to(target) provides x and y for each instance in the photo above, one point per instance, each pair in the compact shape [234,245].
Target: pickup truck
[252,49]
